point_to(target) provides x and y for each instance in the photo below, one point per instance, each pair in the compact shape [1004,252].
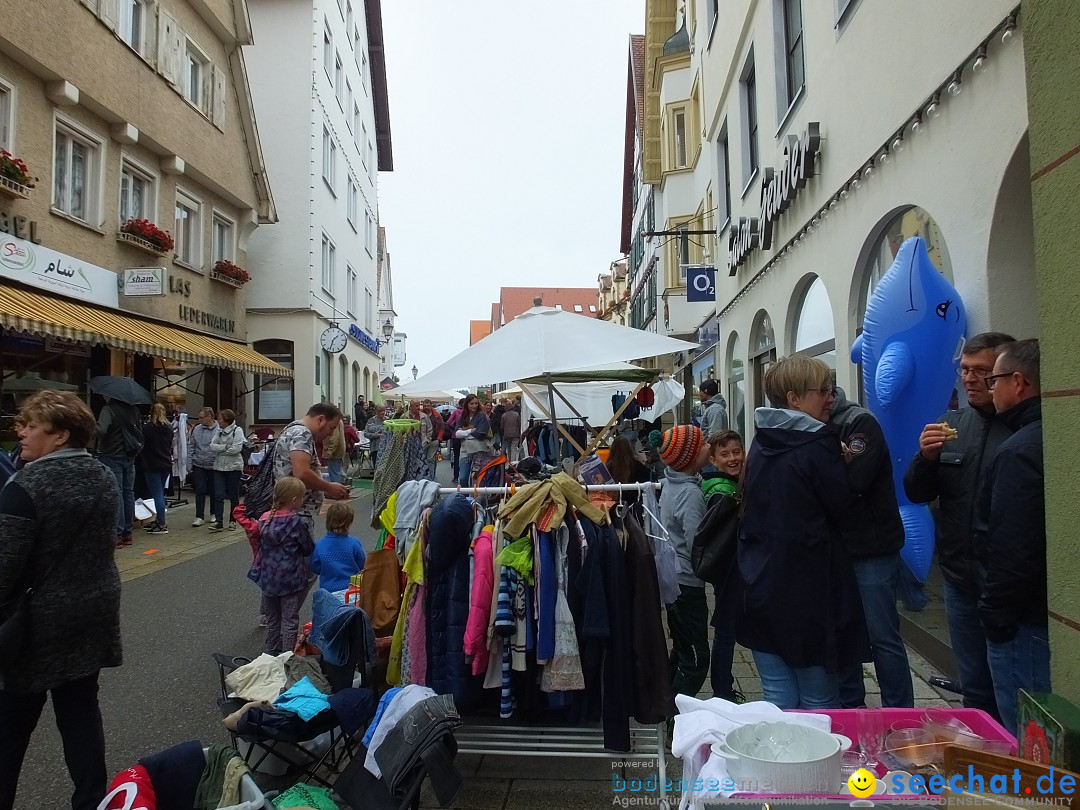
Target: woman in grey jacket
[57,535]
[228,446]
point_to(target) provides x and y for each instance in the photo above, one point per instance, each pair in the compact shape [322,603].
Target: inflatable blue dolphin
[913,335]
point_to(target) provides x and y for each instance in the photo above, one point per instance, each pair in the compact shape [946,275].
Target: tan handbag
[380,593]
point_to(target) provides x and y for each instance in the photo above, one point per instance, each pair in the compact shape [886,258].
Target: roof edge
[379,93]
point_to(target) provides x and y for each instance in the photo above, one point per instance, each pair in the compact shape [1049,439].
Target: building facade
[319,91]
[614,295]
[392,348]
[816,174]
[125,244]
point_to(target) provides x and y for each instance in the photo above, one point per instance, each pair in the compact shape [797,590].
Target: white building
[319,92]
[392,348]
[917,113]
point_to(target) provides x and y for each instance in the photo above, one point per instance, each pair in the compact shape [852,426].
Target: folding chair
[287,742]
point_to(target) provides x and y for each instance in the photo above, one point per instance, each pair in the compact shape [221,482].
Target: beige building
[127,110]
[614,297]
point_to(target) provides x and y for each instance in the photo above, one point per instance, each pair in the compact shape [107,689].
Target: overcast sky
[507,125]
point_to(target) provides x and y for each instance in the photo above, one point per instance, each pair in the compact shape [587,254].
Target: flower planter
[10,188]
[224,279]
[139,242]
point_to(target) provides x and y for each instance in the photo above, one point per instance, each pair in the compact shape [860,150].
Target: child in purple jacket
[280,569]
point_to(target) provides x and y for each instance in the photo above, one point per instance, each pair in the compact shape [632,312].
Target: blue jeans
[464,470]
[155,482]
[969,649]
[202,480]
[878,578]
[1023,663]
[226,485]
[333,469]
[123,470]
[789,688]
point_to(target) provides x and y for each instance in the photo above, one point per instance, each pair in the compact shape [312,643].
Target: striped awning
[39,314]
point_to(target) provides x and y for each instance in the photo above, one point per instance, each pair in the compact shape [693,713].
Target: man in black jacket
[874,542]
[119,440]
[952,473]
[1010,536]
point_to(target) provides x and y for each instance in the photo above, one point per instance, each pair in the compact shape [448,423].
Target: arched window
[274,395]
[762,354]
[326,387]
[343,398]
[910,222]
[736,385]
[815,332]
[356,389]
[904,224]
[367,384]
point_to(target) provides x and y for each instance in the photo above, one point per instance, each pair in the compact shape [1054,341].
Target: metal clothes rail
[573,742]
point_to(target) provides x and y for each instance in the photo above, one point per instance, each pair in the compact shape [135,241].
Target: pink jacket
[480,603]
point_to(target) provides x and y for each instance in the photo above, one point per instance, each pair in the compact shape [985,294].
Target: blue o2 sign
[700,284]
[363,339]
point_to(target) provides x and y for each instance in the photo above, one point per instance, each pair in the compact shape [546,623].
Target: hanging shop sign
[361,337]
[779,188]
[700,284]
[143,281]
[56,272]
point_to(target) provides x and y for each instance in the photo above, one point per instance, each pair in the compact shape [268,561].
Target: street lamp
[388,329]
[414,372]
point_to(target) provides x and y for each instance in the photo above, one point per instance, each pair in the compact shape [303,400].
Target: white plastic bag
[667,569]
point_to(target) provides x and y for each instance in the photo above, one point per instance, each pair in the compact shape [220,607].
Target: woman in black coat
[57,535]
[156,457]
[801,614]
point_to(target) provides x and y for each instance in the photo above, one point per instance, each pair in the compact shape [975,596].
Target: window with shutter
[167,51]
[109,13]
[219,98]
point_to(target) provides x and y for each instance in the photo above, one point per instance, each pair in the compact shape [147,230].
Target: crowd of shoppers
[817,572]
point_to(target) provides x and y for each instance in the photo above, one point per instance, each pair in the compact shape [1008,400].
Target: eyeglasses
[977,373]
[991,379]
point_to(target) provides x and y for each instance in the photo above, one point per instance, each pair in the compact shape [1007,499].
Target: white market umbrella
[541,341]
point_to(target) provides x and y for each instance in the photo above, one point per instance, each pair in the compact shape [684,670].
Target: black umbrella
[124,389]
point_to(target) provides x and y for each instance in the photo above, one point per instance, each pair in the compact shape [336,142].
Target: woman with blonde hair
[57,531]
[157,463]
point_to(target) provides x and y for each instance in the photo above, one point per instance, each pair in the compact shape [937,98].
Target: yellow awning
[32,312]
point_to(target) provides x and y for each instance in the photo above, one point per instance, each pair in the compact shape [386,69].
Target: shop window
[736,385]
[273,394]
[815,332]
[75,173]
[188,231]
[762,355]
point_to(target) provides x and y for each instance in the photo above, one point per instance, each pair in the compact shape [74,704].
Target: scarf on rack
[389,473]
[545,502]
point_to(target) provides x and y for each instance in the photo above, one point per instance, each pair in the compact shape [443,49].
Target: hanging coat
[447,604]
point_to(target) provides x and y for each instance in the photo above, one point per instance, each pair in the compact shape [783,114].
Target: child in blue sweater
[339,555]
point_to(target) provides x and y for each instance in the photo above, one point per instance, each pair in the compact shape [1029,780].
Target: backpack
[646,398]
[438,427]
[713,550]
[260,490]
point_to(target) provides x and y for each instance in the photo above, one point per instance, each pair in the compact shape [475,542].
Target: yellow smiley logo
[862,783]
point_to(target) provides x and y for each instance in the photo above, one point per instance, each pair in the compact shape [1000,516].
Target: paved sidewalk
[150,553]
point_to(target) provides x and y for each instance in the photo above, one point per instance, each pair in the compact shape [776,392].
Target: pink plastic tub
[844,721]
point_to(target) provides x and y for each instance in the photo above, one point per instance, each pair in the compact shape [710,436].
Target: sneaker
[158,529]
[232,525]
[216,527]
[124,541]
[197,522]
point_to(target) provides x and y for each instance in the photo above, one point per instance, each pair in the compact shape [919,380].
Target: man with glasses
[1010,535]
[951,471]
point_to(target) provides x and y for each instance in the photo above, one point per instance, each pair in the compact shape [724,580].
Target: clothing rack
[567,742]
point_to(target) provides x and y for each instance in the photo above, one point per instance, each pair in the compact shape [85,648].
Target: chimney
[538,302]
